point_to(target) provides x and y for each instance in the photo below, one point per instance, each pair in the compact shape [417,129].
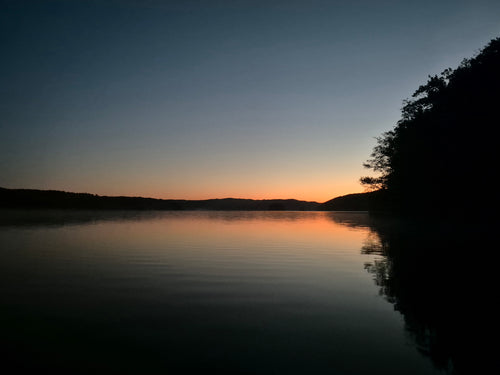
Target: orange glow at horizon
[316,184]
[306,192]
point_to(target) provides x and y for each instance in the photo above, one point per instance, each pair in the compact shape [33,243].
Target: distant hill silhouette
[370,201]
[53,199]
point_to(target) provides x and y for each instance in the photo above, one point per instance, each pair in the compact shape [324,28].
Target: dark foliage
[443,153]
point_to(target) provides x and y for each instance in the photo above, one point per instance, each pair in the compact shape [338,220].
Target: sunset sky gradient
[214,99]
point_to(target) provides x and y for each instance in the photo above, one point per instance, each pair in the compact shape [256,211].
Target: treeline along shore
[51,199]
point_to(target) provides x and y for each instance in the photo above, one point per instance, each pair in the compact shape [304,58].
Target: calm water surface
[169,292]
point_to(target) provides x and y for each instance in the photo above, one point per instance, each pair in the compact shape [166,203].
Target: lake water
[177,292]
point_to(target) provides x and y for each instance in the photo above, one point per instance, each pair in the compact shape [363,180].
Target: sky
[213,99]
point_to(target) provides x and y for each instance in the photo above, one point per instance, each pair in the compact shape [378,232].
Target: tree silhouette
[442,153]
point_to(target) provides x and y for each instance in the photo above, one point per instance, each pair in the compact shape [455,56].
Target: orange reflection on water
[238,231]
[182,238]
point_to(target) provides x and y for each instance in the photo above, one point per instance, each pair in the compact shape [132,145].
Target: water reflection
[58,218]
[439,276]
[235,292]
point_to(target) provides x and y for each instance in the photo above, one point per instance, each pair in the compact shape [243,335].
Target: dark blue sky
[199,99]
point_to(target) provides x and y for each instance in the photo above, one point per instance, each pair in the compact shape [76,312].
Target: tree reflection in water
[441,278]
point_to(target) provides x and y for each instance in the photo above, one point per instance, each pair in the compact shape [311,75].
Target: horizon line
[167,199]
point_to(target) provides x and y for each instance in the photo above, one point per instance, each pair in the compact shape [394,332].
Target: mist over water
[172,292]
